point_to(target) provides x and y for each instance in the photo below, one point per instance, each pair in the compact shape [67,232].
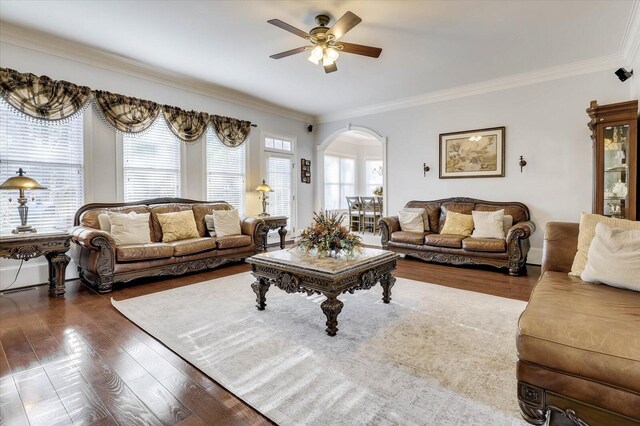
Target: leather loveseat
[101,263]
[510,252]
[578,344]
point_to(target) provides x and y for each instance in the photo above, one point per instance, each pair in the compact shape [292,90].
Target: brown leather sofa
[458,250]
[101,263]
[578,344]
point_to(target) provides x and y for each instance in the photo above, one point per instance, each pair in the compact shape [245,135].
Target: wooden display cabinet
[614,130]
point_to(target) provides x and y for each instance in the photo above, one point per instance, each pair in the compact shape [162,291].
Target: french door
[280,178]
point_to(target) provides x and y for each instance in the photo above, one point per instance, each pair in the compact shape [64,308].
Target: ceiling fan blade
[330,68]
[280,24]
[344,25]
[359,49]
[288,53]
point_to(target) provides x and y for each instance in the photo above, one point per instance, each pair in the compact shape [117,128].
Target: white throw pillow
[211,226]
[614,258]
[410,221]
[422,212]
[507,222]
[227,222]
[488,224]
[130,228]
[105,224]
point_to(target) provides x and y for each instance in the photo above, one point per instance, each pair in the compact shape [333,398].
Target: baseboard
[33,272]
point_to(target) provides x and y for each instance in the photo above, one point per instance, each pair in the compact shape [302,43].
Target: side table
[273,223]
[52,245]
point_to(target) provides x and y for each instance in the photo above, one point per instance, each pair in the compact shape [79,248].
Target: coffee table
[294,271]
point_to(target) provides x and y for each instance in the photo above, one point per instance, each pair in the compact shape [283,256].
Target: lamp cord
[15,279]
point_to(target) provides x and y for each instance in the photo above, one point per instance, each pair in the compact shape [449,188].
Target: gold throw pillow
[178,226]
[458,224]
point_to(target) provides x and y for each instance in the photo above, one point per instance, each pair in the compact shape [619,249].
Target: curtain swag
[188,126]
[52,100]
[41,97]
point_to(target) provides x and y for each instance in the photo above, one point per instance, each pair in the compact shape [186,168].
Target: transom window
[226,172]
[277,144]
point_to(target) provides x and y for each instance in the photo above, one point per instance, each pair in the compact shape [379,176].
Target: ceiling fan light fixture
[326,61]
[332,54]
[316,54]
[314,60]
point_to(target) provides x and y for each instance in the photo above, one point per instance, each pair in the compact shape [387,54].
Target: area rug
[433,356]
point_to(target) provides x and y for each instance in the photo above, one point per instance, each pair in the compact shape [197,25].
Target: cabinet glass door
[616,170]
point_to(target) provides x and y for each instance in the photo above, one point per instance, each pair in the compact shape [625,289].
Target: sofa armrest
[560,246]
[252,226]
[388,225]
[521,231]
[90,238]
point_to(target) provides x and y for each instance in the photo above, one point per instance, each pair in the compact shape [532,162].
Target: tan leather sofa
[578,344]
[458,250]
[101,263]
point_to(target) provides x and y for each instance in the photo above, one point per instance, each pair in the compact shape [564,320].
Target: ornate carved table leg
[387,281]
[531,400]
[331,308]
[260,288]
[57,266]
[265,234]
[283,232]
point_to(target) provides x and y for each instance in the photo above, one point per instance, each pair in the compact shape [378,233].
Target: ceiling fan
[325,41]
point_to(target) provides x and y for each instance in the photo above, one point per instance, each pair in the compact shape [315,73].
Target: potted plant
[327,237]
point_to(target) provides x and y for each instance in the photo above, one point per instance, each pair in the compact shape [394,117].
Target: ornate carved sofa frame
[457,250]
[101,263]
[578,344]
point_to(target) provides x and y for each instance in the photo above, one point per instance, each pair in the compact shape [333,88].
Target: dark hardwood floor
[78,361]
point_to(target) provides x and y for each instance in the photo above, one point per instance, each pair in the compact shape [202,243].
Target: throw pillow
[227,222]
[587,232]
[507,223]
[614,258]
[411,221]
[422,212]
[457,224]
[488,224]
[105,224]
[211,227]
[130,228]
[178,226]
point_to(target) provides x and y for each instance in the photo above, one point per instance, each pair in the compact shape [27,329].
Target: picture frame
[472,153]
[305,170]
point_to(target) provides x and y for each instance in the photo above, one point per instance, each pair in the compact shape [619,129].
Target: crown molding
[503,83]
[77,52]
[631,39]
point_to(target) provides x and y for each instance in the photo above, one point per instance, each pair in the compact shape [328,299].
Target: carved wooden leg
[331,308]
[514,270]
[57,266]
[260,288]
[283,232]
[387,281]
[531,400]
[105,284]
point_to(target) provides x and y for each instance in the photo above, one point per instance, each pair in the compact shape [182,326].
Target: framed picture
[305,170]
[472,153]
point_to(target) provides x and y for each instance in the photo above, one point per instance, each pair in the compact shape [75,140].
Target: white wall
[101,164]
[545,122]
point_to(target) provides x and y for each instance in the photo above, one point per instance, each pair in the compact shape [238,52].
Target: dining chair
[355,213]
[371,213]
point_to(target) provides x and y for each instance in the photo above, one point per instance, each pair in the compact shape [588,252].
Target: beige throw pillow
[457,224]
[411,221]
[178,226]
[614,258]
[488,224]
[227,222]
[587,232]
[507,223]
[211,225]
[422,212]
[130,228]
[105,224]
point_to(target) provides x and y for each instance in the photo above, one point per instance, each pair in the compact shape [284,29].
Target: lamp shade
[21,182]
[263,187]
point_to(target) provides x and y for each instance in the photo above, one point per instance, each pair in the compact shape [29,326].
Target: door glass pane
[280,180]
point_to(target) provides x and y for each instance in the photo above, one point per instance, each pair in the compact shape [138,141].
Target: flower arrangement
[377,191]
[327,236]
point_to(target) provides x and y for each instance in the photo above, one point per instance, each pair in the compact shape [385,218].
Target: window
[373,175]
[151,163]
[339,181]
[279,175]
[276,144]
[226,172]
[52,155]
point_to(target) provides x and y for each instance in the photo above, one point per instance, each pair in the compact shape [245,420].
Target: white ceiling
[427,46]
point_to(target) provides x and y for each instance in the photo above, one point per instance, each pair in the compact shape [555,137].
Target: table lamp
[22,183]
[264,188]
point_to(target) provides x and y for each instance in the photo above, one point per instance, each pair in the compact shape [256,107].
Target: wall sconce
[425,169]
[522,163]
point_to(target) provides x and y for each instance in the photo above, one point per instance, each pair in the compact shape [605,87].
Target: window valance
[50,100]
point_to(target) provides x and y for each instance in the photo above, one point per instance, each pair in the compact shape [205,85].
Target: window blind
[226,172]
[52,155]
[151,164]
[339,181]
[279,178]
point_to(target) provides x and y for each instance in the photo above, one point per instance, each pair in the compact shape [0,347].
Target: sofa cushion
[232,241]
[485,244]
[178,226]
[449,206]
[90,217]
[193,245]
[407,237]
[137,252]
[130,228]
[582,329]
[201,210]
[518,212]
[412,221]
[458,224]
[433,211]
[444,240]
[156,209]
